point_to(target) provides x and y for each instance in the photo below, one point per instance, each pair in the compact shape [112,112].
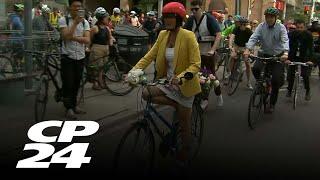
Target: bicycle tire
[117,70]
[6,69]
[41,99]
[54,61]
[197,121]
[133,166]
[255,105]
[295,92]
[80,96]
[225,68]
[234,79]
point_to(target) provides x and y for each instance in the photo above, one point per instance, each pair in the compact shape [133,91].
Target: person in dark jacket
[315,30]
[301,50]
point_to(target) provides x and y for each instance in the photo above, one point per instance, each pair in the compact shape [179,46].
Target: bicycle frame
[147,116]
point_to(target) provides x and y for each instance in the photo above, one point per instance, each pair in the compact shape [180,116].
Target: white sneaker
[220,101]
[227,75]
[204,104]
[249,86]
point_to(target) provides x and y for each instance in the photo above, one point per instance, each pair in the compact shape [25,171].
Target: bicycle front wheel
[234,79]
[135,153]
[295,93]
[197,125]
[255,108]
[41,99]
[114,77]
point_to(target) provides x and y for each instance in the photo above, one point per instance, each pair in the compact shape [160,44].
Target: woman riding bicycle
[176,52]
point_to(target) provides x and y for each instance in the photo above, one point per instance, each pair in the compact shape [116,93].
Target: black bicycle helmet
[243,20]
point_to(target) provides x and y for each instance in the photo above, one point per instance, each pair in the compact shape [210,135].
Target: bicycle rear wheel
[114,77]
[6,69]
[197,125]
[255,107]
[136,151]
[41,99]
[234,79]
[295,92]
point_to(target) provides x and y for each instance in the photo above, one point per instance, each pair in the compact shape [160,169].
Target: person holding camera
[75,32]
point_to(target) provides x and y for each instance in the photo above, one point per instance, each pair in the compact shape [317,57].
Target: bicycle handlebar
[266,59]
[42,53]
[298,63]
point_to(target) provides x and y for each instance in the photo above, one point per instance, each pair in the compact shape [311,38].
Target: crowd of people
[188,43]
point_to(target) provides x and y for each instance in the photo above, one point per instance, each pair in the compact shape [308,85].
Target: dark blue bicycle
[136,150]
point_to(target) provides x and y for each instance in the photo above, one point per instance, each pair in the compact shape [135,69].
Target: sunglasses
[195,9]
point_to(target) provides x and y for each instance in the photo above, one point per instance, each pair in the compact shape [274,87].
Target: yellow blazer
[186,59]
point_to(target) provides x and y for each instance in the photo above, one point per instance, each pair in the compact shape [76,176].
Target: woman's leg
[157,96]
[184,115]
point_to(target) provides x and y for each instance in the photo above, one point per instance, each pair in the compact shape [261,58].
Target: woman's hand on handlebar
[284,57]
[175,81]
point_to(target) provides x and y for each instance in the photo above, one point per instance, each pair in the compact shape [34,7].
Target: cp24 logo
[68,131]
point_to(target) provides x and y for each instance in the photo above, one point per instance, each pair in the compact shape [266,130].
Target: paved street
[285,143]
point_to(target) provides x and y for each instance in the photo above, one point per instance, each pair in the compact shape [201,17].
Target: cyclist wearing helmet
[149,26]
[15,19]
[101,40]
[237,42]
[115,18]
[274,41]
[134,20]
[176,52]
[41,23]
[229,30]
[15,23]
[208,34]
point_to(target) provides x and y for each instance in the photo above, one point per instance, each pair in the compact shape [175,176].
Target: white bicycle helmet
[45,9]
[314,19]
[151,13]
[133,13]
[116,10]
[101,13]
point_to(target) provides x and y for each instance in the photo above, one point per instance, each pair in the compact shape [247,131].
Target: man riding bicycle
[208,34]
[239,37]
[274,41]
[301,50]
